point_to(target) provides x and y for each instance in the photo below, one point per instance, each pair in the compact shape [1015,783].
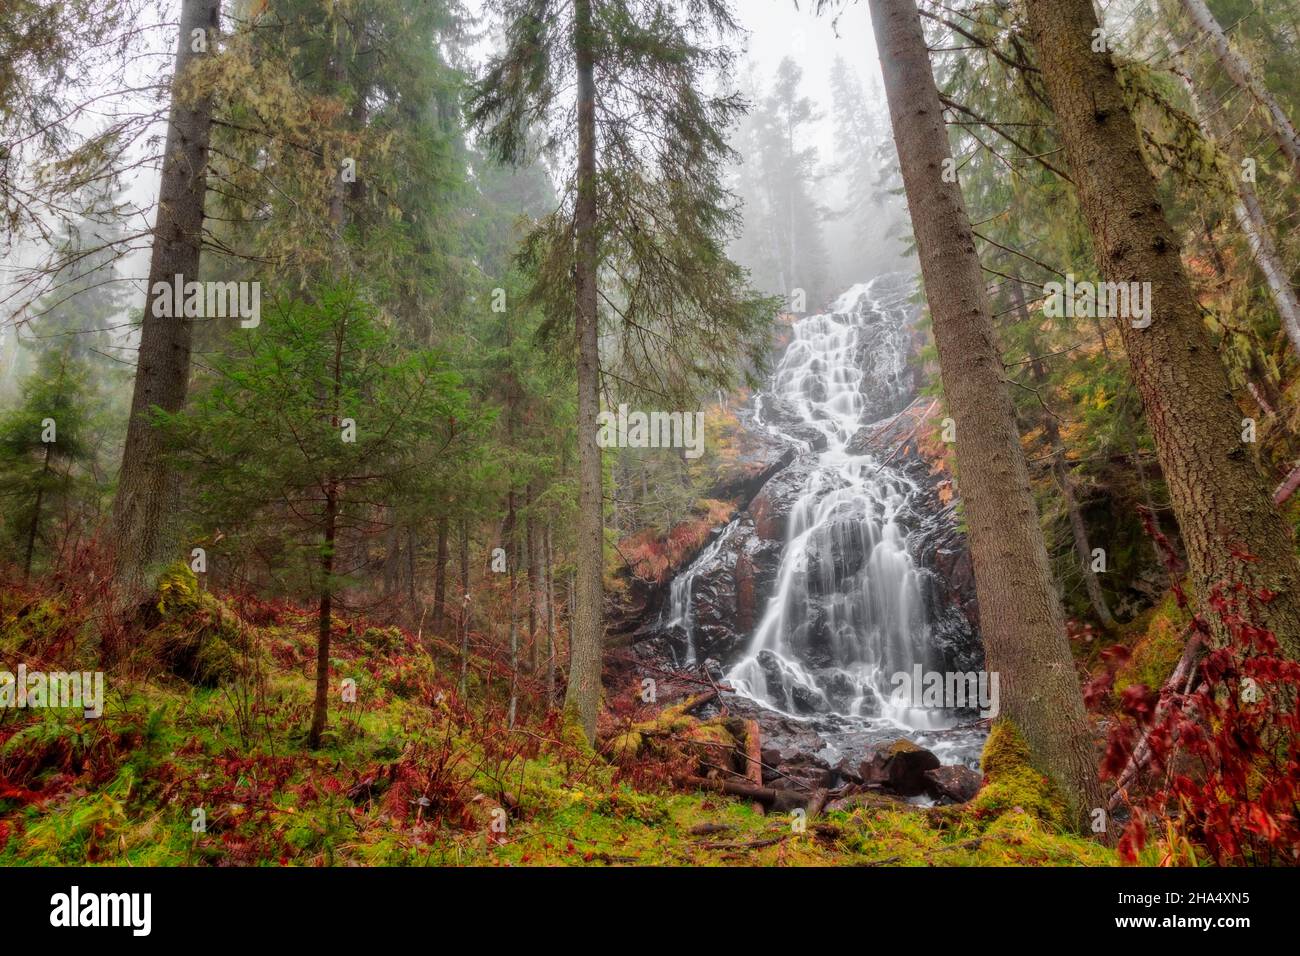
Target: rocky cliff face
[730,587]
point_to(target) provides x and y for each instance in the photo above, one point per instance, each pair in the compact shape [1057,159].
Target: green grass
[412,775]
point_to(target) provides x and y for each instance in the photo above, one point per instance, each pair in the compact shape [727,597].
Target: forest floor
[206,763]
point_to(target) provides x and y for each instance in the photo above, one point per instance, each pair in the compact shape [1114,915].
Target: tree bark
[440,575]
[1242,74]
[550,619]
[36,516]
[1218,493]
[320,711]
[1061,472]
[411,599]
[582,696]
[464,604]
[142,508]
[530,545]
[510,540]
[1020,611]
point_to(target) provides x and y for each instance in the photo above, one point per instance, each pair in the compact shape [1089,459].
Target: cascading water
[848,594]
[680,604]
[847,609]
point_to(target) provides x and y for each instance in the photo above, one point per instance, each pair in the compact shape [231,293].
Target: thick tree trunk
[1061,471]
[582,696]
[1239,70]
[1219,495]
[1020,611]
[142,521]
[320,711]
[440,576]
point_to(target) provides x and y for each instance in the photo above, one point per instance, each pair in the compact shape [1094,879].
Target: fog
[820,229]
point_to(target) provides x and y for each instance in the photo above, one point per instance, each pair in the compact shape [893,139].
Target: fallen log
[752,845]
[1288,486]
[1179,681]
[733,788]
[699,701]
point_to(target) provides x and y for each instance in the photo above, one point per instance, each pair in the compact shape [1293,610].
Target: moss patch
[1158,645]
[1011,785]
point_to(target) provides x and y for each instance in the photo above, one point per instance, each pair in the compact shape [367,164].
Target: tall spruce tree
[1020,611]
[635,252]
[1232,533]
[146,489]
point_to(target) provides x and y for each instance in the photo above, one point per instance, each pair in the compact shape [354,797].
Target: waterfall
[680,603]
[847,610]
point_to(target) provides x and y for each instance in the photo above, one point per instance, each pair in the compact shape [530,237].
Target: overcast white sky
[775,29]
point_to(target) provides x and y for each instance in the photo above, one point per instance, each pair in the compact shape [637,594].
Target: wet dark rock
[900,767]
[772,505]
[952,784]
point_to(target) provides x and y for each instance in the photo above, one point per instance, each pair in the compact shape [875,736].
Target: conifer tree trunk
[582,696]
[1020,611]
[411,598]
[1061,471]
[440,575]
[550,618]
[1219,496]
[1250,218]
[464,603]
[530,545]
[36,515]
[512,544]
[1243,75]
[320,709]
[142,520]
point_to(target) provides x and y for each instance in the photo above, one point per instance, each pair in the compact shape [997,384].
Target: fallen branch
[730,787]
[1182,674]
[1288,486]
[753,845]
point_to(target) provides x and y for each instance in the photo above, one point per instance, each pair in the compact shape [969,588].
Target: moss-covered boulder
[197,638]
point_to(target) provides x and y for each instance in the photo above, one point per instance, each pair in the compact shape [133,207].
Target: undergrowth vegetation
[193,764]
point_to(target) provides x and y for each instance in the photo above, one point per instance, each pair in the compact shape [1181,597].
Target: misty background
[816,177]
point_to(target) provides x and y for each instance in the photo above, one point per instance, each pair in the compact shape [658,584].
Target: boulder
[900,767]
[952,784]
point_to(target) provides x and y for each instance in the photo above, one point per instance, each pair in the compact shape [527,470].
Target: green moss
[1011,784]
[199,639]
[384,640]
[1157,648]
[625,746]
[121,792]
